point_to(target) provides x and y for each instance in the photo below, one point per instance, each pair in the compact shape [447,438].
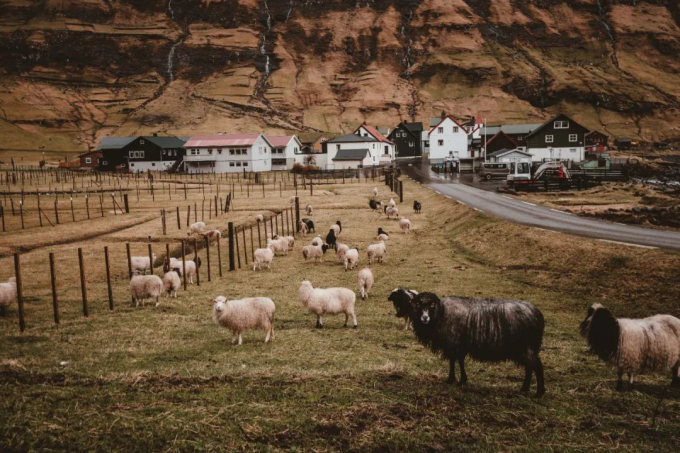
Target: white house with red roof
[365,147]
[228,153]
[284,150]
[386,148]
[448,140]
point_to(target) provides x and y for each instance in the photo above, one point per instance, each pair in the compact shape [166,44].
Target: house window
[455,129]
[410,144]
[209,151]
[295,150]
[231,152]
[440,142]
[549,138]
[106,162]
[573,137]
[153,164]
[231,164]
[245,164]
[141,142]
[238,164]
[573,150]
[561,124]
[219,151]
[88,160]
[519,138]
[440,130]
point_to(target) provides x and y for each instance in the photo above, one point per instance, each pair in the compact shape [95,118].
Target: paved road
[526,213]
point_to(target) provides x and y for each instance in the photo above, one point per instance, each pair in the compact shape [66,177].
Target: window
[410,144]
[231,164]
[231,152]
[219,151]
[153,164]
[238,164]
[88,160]
[561,124]
[548,138]
[573,137]
[295,150]
[573,150]
[245,164]
[141,142]
[455,129]
[440,142]
[209,150]
[519,138]
[440,130]
[106,162]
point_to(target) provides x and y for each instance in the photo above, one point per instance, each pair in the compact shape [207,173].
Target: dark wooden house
[596,142]
[560,138]
[500,141]
[407,138]
[90,159]
[139,154]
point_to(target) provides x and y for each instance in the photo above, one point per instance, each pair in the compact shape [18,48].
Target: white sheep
[212,236]
[8,292]
[351,258]
[278,245]
[365,282]
[308,209]
[336,229]
[391,203]
[190,265]
[375,192]
[241,315]
[146,287]
[383,237]
[405,225]
[290,239]
[330,301]
[314,251]
[340,250]
[171,283]
[197,227]
[259,218]
[317,241]
[263,257]
[141,263]
[392,213]
[376,252]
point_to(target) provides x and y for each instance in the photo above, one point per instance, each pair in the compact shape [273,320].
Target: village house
[508,155]
[596,142]
[516,132]
[559,138]
[140,154]
[407,139]
[449,140]
[500,141]
[284,150]
[90,159]
[365,147]
[228,153]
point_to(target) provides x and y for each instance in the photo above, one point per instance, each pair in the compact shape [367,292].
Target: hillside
[72,72]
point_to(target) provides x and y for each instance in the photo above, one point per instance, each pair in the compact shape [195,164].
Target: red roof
[376,135]
[444,119]
[278,141]
[217,140]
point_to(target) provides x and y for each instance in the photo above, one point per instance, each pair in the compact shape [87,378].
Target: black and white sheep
[332,301]
[634,345]
[375,205]
[315,252]
[244,314]
[310,224]
[337,228]
[402,299]
[331,239]
[491,330]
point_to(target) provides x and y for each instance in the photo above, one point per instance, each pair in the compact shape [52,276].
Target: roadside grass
[169,379]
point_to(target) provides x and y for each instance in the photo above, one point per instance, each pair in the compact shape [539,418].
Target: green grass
[169,379]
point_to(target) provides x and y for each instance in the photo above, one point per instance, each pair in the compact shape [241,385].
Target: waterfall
[170,11]
[171,57]
[613,57]
[263,50]
[290,9]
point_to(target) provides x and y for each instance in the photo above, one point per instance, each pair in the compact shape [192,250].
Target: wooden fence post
[232,265]
[108,276]
[207,256]
[127,203]
[219,256]
[21,212]
[252,244]
[179,225]
[245,247]
[83,288]
[20,295]
[53,282]
[184,263]
[198,274]
[297,214]
[238,251]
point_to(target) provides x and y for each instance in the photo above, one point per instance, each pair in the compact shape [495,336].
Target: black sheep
[340,225]
[417,206]
[491,330]
[310,225]
[381,231]
[402,299]
[331,239]
[375,205]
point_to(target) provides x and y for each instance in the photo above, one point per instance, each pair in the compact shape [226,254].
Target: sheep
[310,224]
[146,287]
[392,213]
[241,315]
[8,292]
[171,283]
[308,209]
[375,205]
[391,203]
[402,299]
[191,267]
[212,236]
[331,239]
[278,245]
[417,206]
[365,282]
[317,241]
[376,252]
[314,251]
[330,301]
[290,239]
[491,330]
[351,258]
[263,257]
[197,227]
[141,263]
[383,232]
[340,250]
[375,192]
[405,225]
[259,218]
[302,227]
[634,345]
[337,228]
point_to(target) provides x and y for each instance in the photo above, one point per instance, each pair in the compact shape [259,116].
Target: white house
[366,147]
[448,139]
[509,155]
[560,138]
[284,150]
[386,148]
[228,153]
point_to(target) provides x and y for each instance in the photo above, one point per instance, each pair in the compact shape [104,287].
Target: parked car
[494,170]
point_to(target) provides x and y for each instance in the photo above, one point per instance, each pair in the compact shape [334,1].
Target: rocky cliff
[73,71]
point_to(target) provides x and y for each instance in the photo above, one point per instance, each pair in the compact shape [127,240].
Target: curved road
[526,213]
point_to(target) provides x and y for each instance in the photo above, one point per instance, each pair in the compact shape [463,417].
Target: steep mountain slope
[71,72]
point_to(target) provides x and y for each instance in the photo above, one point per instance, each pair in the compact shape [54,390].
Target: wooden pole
[83,288]
[297,214]
[238,251]
[232,266]
[259,238]
[150,259]
[109,289]
[53,282]
[219,256]
[184,264]
[198,275]
[20,296]
[252,244]
[207,256]
[245,247]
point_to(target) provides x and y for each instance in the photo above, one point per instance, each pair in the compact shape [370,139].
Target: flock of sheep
[490,330]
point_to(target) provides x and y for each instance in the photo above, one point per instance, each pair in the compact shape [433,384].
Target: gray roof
[434,120]
[352,138]
[511,129]
[165,141]
[351,154]
[414,127]
[113,142]
[503,151]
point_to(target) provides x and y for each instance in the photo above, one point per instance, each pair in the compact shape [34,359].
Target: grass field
[169,379]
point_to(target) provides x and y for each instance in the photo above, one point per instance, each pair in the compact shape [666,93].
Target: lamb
[212,236]
[197,227]
[365,282]
[192,268]
[491,330]
[171,283]
[302,227]
[330,301]
[391,203]
[8,292]
[310,224]
[375,192]
[317,241]
[314,251]
[331,239]
[263,257]
[402,299]
[340,250]
[417,206]
[351,258]
[634,345]
[141,263]
[392,213]
[146,287]
[290,239]
[405,225]
[278,245]
[259,218]
[308,209]
[241,315]
[376,252]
